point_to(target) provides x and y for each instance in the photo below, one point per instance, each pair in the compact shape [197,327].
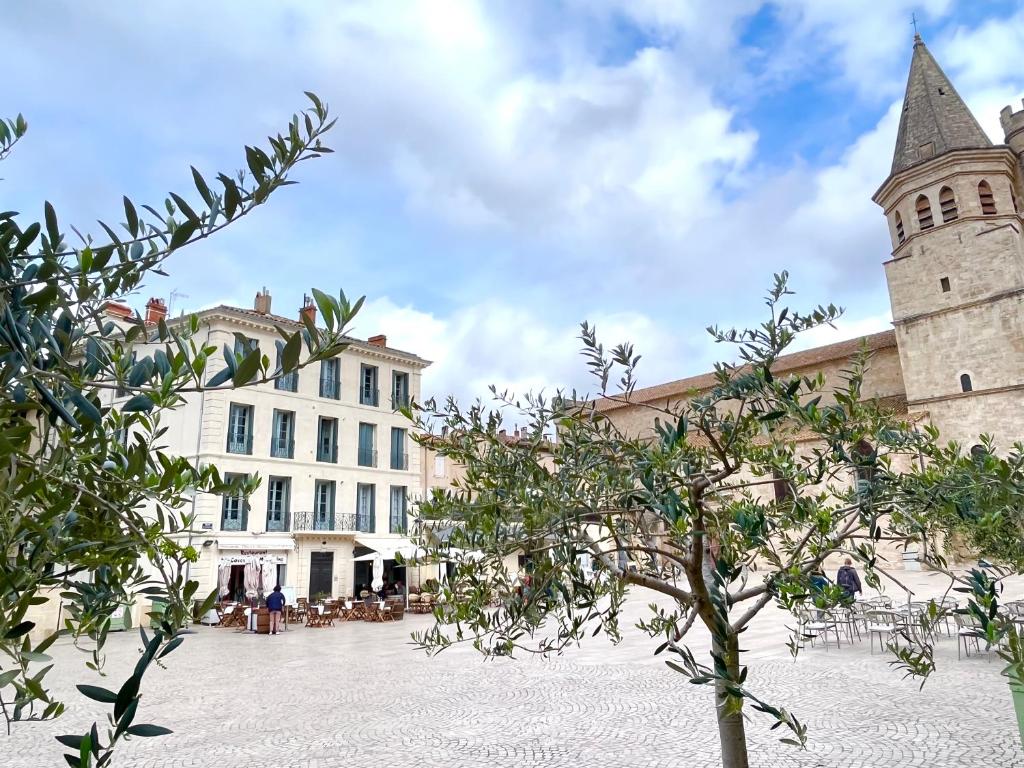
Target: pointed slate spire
[935,118]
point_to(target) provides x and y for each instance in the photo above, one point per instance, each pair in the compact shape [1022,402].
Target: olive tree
[731,503]
[92,507]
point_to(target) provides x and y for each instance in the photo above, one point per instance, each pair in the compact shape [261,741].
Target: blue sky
[505,170]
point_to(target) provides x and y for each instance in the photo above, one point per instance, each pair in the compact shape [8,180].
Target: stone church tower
[956,276]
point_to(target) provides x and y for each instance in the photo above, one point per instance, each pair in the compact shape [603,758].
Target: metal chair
[881,623]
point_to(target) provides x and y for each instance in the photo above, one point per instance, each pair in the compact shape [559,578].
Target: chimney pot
[156,310]
[380,340]
[308,309]
[262,302]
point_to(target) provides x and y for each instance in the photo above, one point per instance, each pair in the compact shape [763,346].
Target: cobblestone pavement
[358,695]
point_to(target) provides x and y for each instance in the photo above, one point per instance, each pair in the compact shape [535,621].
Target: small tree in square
[733,503]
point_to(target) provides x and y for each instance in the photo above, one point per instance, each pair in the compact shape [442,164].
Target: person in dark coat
[848,579]
[275,604]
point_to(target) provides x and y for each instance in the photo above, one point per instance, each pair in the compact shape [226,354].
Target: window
[397,516]
[439,466]
[965,383]
[863,456]
[900,234]
[288,382]
[781,486]
[330,378]
[234,510]
[365,502]
[323,505]
[240,429]
[944,282]
[924,213]
[244,345]
[399,390]
[947,204]
[399,457]
[368,393]
[282,438]
[278,495]
[327,440]
[988,201]
[367,452]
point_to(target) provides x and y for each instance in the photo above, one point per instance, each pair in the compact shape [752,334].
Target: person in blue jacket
[275,604]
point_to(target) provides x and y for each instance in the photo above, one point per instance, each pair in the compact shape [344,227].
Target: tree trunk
[731,731]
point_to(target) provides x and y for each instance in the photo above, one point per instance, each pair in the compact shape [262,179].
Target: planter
[262,621]
[1017,689]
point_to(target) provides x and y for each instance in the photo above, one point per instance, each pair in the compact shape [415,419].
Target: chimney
[156,310]
[308,310]
[380,340]
[115,309]
[262,303]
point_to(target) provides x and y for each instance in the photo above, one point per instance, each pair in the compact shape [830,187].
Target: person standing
[275,604]
[848,579]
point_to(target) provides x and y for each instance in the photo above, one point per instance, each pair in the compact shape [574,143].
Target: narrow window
[988,202]
[282,439]
[900,235]
[924,213]
[240,429]
[323,505]
[944,282]
[399,457]
[863,455]
[365,503]
[396,518]
[278,493]
[368,392]
[244,345]
[287,382]
[439,466]
[327,440]
[367,451]
[399,390]
[234,511]
[947,203]
[965,382]
[330,378]
[783,491]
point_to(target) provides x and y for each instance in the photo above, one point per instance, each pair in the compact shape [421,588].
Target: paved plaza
[358,695]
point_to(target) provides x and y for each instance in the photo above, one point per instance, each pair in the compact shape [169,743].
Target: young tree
[732,503]
[91,504]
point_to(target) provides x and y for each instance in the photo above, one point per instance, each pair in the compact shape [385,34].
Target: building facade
[955,356]
[337,464]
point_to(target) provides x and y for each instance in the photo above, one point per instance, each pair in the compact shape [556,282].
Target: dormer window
[986,198]
[924,213]
[900,235]
[947,204]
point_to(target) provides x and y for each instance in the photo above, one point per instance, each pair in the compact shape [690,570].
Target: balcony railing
[279,523]
[399,460]
[399,400]
[240,443]
[369,396]
[332,521]
[232,523]
[327,452]
[367,457]
[282,448]
[364,522]
[331,388]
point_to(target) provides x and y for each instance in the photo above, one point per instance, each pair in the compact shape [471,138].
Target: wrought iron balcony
[280,524]
[288,382]
[240,443]
[368,396]
[327,452]
[330,387]
[281,448]
[399,460]
[399,400]
[310,521]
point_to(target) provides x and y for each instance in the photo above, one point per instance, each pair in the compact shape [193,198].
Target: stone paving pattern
[359,695]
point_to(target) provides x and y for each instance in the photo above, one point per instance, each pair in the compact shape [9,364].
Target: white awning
[257,543]
[387,546]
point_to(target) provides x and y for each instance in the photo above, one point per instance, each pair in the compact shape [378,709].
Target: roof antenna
[175,294]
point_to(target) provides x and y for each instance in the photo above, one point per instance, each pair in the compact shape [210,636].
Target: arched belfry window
[987,200]
[924,213]
[900,235]
[965,383]
[947,203]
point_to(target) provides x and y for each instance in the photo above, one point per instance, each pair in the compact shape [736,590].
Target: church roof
[935,119]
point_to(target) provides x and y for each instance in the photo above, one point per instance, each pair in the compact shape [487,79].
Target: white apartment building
[337,463]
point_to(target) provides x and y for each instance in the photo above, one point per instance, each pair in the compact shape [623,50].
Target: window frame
[245,440]
[284,502]
[369,391]
[325,381]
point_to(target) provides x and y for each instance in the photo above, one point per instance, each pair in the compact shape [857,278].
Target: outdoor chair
[815,627]
[397,611]
[881,623]
[386,612]
[881,601]
[849,620]
[314,618]
[966,632]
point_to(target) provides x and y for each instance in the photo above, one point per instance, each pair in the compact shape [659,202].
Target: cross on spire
[913,20]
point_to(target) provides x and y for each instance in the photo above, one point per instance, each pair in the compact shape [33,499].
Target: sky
[506,170]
